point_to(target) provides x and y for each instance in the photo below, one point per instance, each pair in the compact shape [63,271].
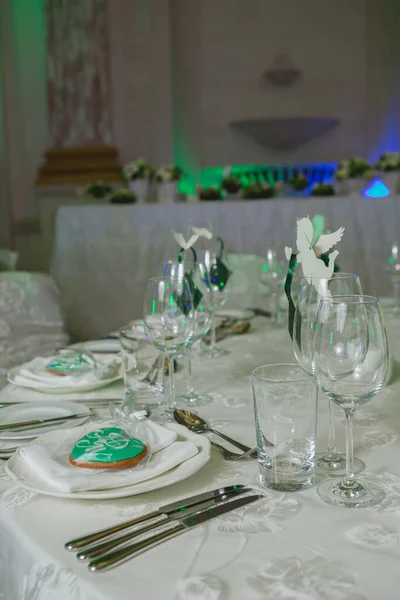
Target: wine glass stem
[332,450]
[213,331]
[171,397]
[349,480]
[189,386]
[396,289]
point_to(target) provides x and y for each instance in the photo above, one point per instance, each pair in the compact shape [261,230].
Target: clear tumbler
[285,411]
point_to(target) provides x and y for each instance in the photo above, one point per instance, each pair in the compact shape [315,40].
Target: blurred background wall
[173,75]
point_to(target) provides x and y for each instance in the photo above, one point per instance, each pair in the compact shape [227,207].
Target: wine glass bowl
[217,278]
[168,320]
[304,327]
[351,361]
[195,272]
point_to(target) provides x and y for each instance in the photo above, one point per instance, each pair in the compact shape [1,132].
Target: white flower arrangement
[389,161]
[354,168]
[137,169]
[168,173]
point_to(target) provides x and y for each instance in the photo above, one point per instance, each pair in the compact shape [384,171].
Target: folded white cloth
[58,473]
[34,375]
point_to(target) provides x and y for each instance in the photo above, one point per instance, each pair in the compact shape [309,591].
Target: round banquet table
[286,546]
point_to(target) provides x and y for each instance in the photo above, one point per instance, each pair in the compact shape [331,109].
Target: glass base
[214,352]
[163,415]
[363,493]
[192,399]
[335,464]
[286,486]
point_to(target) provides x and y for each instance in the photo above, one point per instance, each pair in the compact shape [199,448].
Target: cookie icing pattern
[110,444]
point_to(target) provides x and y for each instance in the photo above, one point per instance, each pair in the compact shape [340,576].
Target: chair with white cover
[245,287]
[31,320]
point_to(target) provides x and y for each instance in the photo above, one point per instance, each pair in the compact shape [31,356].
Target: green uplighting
[390,260]
[153,306]
[265,267]
[331,339]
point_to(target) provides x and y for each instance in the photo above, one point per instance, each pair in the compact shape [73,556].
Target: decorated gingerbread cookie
[107,448]
[64,364]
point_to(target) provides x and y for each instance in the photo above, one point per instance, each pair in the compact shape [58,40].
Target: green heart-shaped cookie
[105,446]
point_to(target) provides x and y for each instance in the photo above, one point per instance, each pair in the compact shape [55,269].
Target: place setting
[160,431]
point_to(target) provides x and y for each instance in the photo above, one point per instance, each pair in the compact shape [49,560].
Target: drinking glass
[168,320]
[351,361]
[195,272]
[217,274]
[285,411]
[311,292]
[272,276]
[135,358]
[393,269]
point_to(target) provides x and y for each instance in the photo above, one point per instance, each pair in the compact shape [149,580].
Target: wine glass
[217,275]
[196,274]
[311,292]
[393,268]
[351,360]
[272,276]
[168,320]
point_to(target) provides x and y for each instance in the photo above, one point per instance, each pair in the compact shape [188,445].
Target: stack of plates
[12,439]
[32,383]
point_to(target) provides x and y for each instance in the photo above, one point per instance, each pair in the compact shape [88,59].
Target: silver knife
[161,514]
[113,559]
[39,422]
[104,547]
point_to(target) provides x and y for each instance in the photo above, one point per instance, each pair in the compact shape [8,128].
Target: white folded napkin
[33,374]
[58,472]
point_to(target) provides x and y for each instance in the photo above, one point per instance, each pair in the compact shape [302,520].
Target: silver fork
[151,376]
[228,455]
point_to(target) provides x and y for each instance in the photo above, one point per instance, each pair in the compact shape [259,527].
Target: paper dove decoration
[202,232]
[309,256]
[178,237]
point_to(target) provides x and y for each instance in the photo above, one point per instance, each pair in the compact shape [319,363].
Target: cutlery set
[198,425]
[106,549]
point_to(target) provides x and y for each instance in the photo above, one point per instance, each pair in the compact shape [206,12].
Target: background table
[287,546]
[103,255]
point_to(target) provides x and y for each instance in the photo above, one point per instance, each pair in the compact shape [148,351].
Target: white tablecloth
[103,255]
[286,547]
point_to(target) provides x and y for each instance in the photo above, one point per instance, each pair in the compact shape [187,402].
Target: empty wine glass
[168,320]
[195,272]
[311,292]
[351,360]
[217,281]
[393,268]
[272,276]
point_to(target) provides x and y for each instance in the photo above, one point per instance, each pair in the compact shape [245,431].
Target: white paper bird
[178,237]
[202,232]
[308,255]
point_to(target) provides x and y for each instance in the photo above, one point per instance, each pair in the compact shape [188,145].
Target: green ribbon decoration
[184,301]
[219,272]
[288,292]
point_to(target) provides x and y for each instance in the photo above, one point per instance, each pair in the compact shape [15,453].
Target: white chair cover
[31,321]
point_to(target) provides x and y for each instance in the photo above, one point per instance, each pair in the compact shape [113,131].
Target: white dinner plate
[40,410]
[106,346]
[18,470]
[36,385]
